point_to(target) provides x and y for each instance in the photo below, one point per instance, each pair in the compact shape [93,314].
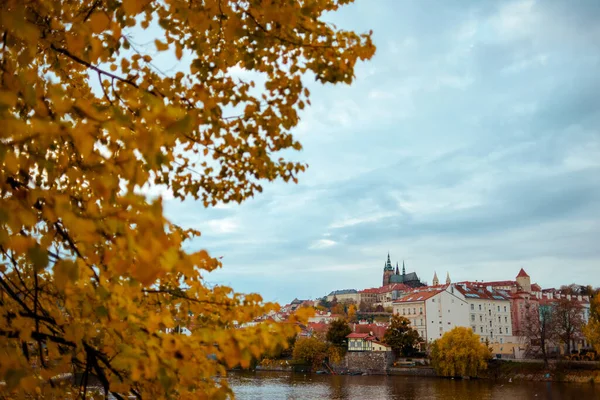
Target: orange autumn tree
[93,277]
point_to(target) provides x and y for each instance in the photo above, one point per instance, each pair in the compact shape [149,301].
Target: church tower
[448,281]
[524,281]
[388,271]
[436,281]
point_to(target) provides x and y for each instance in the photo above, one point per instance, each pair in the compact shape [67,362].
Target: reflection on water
[273,385]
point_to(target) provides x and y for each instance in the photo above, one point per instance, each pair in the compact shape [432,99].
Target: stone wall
[367,361]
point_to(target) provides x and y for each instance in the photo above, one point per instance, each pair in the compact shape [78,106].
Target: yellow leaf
[99,22]
[133,7]
[8,99]
[75,43]
[160,46]
[178,51]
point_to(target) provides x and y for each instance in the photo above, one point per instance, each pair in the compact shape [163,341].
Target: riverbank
[576,372]
[504,371]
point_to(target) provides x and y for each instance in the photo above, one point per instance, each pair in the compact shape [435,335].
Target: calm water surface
[274,385]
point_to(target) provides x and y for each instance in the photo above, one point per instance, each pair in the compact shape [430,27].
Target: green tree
[401,336]
[337,332]
[459,353]
[310,351]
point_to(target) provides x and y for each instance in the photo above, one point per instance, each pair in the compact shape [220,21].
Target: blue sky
[470,144]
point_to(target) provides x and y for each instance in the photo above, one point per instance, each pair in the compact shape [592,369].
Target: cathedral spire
[403,269]
[388,264]
[436,281]
[397,270]
[448,278]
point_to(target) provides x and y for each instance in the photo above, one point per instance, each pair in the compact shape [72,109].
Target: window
[480,307]
[498,308]
[500,330]
[481,329]
[414,310]
[420,322]
[472,317]
[490,311]
[499,320]
[403,311]
[500,341]
[490,324]
[504,308]
[481,318]
[433,300]
[420,310]
[472,307]
[473,328]
[506,320]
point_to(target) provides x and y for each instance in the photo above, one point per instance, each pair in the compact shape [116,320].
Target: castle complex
[411,279]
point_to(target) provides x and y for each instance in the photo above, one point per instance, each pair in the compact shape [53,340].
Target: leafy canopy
[337,332]
[592,328]
[310,350]
[459,353]
[92,274]
[401,336]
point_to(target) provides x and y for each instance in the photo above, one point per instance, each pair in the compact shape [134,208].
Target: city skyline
[468,145]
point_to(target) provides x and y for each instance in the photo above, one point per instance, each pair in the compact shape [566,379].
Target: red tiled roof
[522,274]
[318,327]
[536,288]
[377,330]
[478,292]
[356,335]
[387,288]
[418,296]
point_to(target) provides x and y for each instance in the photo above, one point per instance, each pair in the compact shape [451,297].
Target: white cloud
[322,244]
[222,226]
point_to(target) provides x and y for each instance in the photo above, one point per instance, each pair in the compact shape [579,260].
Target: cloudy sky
[470,144]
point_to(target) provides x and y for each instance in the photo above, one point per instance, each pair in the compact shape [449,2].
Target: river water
[278,385]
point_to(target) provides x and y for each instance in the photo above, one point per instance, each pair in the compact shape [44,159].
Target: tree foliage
[459,353]
[337,332]
[592,328]
[93,275]
[310,350]
[568,321]
[352,313]
[401,336]
[539,331]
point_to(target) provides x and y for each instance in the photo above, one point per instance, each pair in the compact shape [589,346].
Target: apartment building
[489,312]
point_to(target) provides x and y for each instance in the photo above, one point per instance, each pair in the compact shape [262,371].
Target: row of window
[406,311]
[480,308]
[481,319]
[500,330]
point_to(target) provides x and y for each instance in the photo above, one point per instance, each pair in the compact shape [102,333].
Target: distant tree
[282,351]
[310,351]
[401,336]
[459,353]
[352,313]
[568,320]
[539,331]
[365,306]
[337,332]
[592,328]
[326,304]
[338,309]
